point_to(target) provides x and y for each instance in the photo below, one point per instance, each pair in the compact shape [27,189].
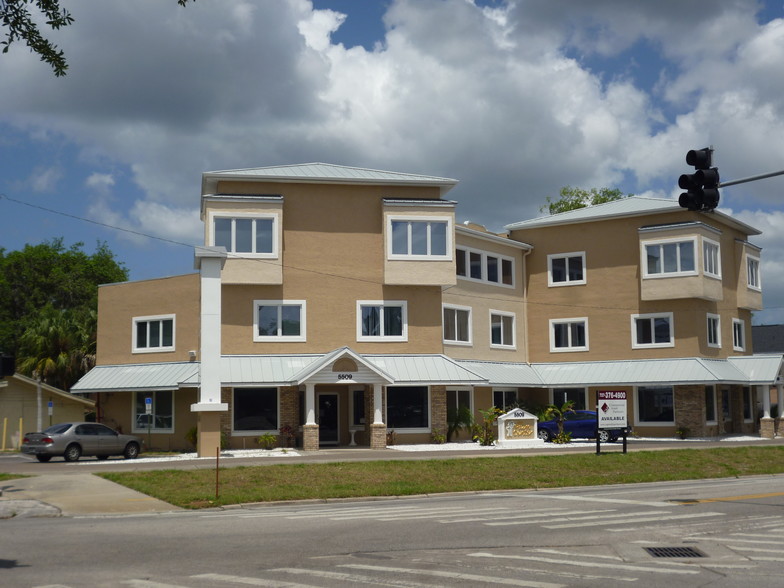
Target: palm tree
[58,347]
[553,412]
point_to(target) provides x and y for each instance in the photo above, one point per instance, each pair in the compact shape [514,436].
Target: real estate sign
[611,409]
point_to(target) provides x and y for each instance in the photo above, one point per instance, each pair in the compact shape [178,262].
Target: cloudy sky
[514,98]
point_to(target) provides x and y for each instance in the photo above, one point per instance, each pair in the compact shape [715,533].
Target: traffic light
[702,187]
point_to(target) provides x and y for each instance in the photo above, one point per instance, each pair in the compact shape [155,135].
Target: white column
[377,415]
[310,404]
[209,261]
[765,390]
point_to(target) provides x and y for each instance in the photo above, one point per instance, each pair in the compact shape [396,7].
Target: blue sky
[514,99]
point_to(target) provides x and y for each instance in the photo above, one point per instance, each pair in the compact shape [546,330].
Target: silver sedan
[73,440]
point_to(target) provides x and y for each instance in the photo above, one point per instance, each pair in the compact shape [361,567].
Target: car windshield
[57,429]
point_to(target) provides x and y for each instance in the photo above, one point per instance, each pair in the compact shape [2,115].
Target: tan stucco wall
[612,292]
[118,304]
[257,270]
[116,409]
[334,256]
[483,297]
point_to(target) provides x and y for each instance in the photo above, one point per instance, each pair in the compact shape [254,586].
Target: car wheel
[43,458]
[102,457]
[73,452]
[544,435]
[604,436]
[131,451]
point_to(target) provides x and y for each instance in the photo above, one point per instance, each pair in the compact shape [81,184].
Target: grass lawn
[196,488]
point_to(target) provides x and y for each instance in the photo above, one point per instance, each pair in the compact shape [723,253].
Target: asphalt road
[588,537]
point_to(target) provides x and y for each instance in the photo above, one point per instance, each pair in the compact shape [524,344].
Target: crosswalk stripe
[593,517]
[481,579]
[366,580]
[644,519]
[149,584]
[579,498]
[583,563]
[251,581]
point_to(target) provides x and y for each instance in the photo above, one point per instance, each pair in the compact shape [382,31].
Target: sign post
[611,414]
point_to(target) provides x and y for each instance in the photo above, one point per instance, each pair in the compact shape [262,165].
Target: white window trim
[382,338]
[504,313]
[715,408]
[158,317]
[638,422]
[654,315]
[409,257]
[735,324]
[567,282]
[504,390]
[468,389]
[717,274]
[140,430]
[758,286]
[569,321]
[717,344]
[551,392]
[280,338]
[258,432]
[644,257]
[429,426]
[246,215]
[468,309]
[484,255]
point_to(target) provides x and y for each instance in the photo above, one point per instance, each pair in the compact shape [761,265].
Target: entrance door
[328,418]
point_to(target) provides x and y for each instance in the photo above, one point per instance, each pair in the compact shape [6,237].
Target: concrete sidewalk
[53,495]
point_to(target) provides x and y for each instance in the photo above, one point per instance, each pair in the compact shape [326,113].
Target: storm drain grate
[674,552]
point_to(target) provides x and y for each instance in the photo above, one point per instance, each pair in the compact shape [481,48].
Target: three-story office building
[334,305]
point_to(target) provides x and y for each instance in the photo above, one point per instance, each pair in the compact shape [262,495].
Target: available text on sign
[611,409]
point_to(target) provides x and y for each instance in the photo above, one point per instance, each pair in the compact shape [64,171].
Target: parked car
[72,440]
[581,424]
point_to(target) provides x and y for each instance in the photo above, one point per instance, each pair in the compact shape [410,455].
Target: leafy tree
[50,276]
[17,18]
[573,198]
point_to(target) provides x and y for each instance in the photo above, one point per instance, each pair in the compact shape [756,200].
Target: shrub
[438,437]
[267,441]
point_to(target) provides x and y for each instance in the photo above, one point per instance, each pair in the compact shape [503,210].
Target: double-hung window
[753,273]
[504,399]
[382,320]
[484,267]
[714,330]
[152,334]
[420,238]
[502,329]
[652,330]
[279,320]
[246,235]
[457,324]
[569,334]
[668,258]
[566,269]
[711,259]
[738,335]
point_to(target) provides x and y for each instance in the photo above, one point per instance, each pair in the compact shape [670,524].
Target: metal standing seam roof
[425,369]
[141,376]
[630,206]
[329,173]
[439,369]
